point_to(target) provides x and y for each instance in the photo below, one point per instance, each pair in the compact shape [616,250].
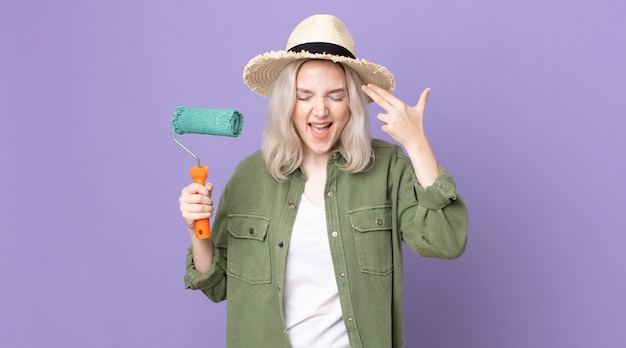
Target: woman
[308,235]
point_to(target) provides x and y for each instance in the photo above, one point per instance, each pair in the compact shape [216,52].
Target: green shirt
[369,215]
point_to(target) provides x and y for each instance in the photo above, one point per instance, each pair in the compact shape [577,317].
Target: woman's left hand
[405,124]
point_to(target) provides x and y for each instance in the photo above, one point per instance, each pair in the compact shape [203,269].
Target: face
[321,110]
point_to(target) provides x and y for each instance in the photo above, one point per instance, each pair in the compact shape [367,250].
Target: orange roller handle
[199,175]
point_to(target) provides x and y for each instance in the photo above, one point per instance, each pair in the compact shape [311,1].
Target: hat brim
[261,72]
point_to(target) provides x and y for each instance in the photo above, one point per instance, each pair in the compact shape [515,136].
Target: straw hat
[317,37]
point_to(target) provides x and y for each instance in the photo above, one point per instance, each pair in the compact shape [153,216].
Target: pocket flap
[248,226]
[371,218]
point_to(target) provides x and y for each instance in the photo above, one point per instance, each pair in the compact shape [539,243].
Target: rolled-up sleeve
[212,282]
[439,194]
[438,226]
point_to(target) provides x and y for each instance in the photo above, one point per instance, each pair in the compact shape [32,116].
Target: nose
[319,107]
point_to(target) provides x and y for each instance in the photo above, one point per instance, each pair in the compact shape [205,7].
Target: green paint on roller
[207,121]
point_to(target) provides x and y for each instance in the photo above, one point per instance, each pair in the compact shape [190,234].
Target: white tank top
[312,309]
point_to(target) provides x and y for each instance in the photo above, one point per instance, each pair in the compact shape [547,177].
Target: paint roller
[225,122]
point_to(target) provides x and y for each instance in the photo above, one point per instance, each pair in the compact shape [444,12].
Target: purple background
[527,112]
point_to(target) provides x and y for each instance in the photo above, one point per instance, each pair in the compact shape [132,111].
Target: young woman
[307,239]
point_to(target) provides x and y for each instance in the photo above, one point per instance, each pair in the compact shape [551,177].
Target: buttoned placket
[281,240]
[337,250]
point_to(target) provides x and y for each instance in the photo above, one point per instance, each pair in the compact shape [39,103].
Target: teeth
[320,126]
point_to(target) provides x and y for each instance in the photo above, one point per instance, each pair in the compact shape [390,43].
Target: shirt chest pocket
[373,239]
[248,249]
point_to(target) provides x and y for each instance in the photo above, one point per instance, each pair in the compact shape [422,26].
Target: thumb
[209,187]
[421,104]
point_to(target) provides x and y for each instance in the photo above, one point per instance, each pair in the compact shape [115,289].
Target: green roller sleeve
[207,121]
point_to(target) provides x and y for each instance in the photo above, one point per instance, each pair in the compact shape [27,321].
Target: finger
[209,188]
[196,198]
[385,128]
[196,208]
[380,96]
[189,207]
[377,95]
[385,118]
[195,188]
[195,204]
[384,95]
[421,104]
[190,218]
[190,195]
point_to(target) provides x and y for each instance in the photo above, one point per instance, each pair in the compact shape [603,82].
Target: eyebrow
[337,90]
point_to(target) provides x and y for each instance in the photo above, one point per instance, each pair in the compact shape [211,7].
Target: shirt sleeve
[436,226]
[439,194]
[212,282]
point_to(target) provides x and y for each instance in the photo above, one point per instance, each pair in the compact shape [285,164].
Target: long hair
[282,147]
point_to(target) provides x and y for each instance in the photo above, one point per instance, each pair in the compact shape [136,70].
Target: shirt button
[350,320]
[379,222]
[330,194]
[342,275]
[281,244]
[334,234]
[251,230]
[291,205]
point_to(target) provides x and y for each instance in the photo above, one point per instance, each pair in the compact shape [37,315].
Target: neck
[314,160]
[315,170]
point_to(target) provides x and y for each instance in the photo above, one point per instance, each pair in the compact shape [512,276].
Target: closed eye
[337,98]
[303,98]
[337,95]
[303,94]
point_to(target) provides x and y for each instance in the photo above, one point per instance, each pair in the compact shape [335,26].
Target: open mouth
[320,130]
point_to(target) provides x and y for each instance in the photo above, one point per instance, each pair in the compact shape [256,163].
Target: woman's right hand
[196,204]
